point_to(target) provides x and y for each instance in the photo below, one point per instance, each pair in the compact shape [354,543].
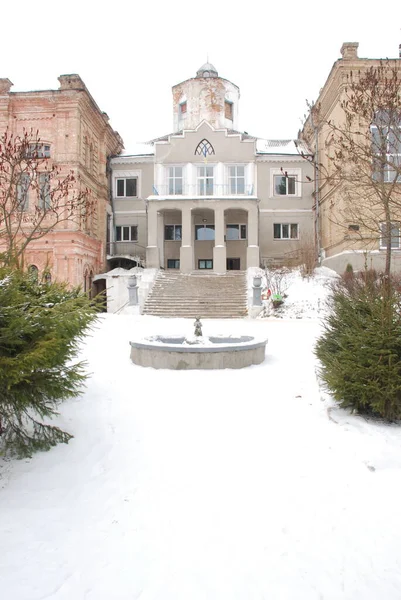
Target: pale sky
[131,53]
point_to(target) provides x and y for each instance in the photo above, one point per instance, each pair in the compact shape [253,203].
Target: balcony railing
[207,189]
[125,249]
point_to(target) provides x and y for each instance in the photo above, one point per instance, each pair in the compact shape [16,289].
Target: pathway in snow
[205,485]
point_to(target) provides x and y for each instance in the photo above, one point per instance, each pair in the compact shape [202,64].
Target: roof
[263,146]
[207,70]
[284,147]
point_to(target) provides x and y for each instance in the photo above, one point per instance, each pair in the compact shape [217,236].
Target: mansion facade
[206,197]
[209,197]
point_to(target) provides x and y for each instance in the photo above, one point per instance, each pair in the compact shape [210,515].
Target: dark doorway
[233,264]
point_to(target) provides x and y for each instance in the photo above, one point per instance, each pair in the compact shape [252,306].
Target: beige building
[75,135]
[209,197]
[347,233]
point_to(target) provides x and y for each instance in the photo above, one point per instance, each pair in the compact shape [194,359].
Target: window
[44,191]
[127,233]
[205,264]
[394,233]
[204,232]
[23,191]
[175,181]
[386,146]
[285,185]
[173,233]
[235,232]
[204,148]
[33,272]
[183,108]
[236,180]
[38,151]
[205,181]
[285,231]
[173,263]
[127,187]
[228,109]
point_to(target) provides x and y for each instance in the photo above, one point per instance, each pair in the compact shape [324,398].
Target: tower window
[204,148]
[228,109]
[183,108]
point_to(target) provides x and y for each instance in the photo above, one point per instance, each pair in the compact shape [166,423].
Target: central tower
[205,97]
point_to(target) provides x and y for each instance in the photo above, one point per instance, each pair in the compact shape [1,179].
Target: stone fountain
[198,352]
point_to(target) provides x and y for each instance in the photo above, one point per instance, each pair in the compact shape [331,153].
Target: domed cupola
[207,70]
[206,97]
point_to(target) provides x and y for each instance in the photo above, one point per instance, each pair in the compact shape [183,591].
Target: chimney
[349,50]
[5,86]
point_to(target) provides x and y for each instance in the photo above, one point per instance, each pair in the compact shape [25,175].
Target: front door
[233,264]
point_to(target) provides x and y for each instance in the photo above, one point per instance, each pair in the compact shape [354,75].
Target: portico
[209,233]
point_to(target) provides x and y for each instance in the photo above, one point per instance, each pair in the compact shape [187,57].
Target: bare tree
[359,169]
[35,197]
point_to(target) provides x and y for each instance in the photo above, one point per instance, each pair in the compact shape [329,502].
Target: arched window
[33,272]
[47,278]
[204,148]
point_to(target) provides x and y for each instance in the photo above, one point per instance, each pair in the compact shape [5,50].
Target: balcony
[220,190]
[127,249]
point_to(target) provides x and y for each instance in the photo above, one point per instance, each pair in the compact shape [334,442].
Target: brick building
[77,137]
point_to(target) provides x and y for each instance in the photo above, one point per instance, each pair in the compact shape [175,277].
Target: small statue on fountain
[198,327]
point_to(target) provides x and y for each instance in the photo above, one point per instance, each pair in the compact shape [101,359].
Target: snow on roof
[290,147]
[141,149]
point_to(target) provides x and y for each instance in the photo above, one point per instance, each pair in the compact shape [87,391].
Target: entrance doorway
[233,264]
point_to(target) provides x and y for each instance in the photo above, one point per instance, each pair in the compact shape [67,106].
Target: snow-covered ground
[206,485]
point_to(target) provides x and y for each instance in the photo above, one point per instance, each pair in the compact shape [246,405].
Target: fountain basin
[214,352]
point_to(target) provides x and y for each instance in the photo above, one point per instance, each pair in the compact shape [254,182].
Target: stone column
[219,250]
[132,291]
[152,249]
[186,249]
[252,254]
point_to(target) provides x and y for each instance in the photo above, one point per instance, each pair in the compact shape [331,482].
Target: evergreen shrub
[360,349]
[41,325]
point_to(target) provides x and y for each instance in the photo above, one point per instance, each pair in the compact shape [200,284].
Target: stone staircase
[208,296]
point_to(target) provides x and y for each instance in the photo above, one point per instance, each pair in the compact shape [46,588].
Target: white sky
[131,53]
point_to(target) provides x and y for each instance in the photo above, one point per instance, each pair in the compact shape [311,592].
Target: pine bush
[360,349]
[40,328]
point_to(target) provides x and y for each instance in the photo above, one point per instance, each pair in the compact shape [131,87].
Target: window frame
[382,127]
[394,224]
[39,150]
[23,185]
[125,179]
[240,238]
[229,110]
[235,179]
[204,179]
[286,179]
[286,239]
[176,262]
[44,201]
[206,262]
[199,226]
[130,230]
[176,227]
[172,179]
[291,172]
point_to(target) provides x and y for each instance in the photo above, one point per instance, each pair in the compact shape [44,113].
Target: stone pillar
[219,250]
[152,249]
[252,254]
[257,291]
[186,249]
[132,291]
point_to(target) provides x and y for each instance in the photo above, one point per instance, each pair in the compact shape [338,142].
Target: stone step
[207,295]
